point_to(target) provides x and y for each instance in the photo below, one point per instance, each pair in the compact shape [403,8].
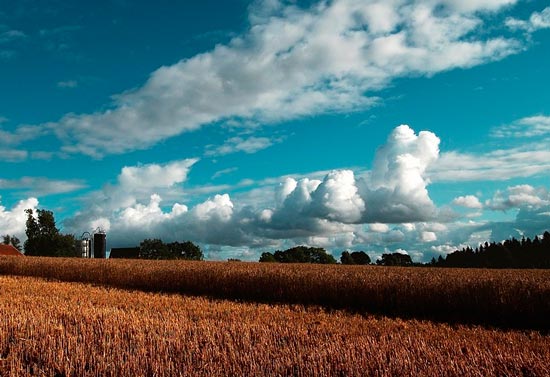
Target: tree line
[305,254]
[512,253]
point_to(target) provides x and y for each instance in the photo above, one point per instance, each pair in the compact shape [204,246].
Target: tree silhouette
[355,257]
[156,249]
[43,237]
[395,259]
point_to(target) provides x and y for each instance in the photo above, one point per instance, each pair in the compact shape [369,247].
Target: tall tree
[43,237]
[346,258]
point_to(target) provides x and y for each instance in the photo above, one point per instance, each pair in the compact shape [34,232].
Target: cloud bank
[304,209]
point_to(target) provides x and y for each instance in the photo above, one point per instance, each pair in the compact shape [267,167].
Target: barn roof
[9,250]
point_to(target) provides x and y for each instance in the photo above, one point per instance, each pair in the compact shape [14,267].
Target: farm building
[9,250]
[125,252]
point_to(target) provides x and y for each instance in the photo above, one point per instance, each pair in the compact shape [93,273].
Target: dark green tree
[346,258]
[355,257]
[299,254]
[185,250]
[43,237]
[156,249]
[395,259]
[267,257]
[360,257]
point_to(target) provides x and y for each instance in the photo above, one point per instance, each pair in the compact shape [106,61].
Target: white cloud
[397,189]
[537,21]
[219,173]
[239,144]
[67,84]
[530,155]
[13,221]
[428,237]
[154,175]
[478,5]
[219,208]
[528,127]
[468,201]
[337,198]
[40,186]
[140,215]
[498,165]
[122,201]
[13,155]
[21,134]
[293,62]
[379,228]
[521,196]
[308,206]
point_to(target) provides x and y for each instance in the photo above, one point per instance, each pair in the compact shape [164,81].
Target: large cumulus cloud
[397,188]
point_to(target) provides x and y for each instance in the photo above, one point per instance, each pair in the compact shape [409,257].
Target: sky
[411,126]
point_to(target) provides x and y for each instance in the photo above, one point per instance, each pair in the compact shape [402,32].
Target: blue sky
[251,126]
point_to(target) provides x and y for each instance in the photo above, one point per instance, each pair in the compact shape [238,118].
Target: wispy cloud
[238,144]
[11,35]
[527,156]
[537,21]
[521,196]
[498,165]
[222,172]
[67,84]
[13,155]
[40,186]
[528,127]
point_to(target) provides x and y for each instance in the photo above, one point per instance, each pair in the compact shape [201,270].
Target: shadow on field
[508,299]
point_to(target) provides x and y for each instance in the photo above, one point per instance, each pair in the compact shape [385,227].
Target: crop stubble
[56,328]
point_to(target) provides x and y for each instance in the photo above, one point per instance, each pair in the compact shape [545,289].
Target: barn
[9,250]
[124,252]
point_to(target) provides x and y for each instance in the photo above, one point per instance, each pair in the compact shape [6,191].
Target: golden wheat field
[73,329]
[504,298]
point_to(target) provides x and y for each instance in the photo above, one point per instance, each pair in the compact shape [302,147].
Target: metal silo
[85,245]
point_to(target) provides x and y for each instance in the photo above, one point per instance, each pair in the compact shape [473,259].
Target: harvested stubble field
[499,298]
[72,329]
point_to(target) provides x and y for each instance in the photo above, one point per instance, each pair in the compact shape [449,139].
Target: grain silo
[100,244]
